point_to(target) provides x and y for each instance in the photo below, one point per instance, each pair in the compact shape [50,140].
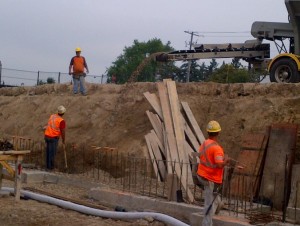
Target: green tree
[229,74]
[195,74]
[134,55]
[236,63]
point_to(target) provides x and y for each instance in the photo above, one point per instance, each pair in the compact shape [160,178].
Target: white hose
[96,212]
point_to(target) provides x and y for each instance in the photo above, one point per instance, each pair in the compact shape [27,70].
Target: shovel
[65,156]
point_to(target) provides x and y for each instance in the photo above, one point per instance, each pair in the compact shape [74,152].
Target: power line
[223,32]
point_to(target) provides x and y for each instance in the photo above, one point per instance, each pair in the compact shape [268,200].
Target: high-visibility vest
[207,167]
[53,129]
[78,64]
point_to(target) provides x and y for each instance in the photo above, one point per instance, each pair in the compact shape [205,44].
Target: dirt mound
[114,115]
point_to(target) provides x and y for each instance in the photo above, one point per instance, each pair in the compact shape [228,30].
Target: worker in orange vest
[54,129]
[76,69]
[210,171]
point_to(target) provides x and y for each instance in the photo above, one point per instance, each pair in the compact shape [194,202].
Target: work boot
[219,207]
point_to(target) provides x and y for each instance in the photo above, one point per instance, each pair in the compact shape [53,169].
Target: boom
[284,67]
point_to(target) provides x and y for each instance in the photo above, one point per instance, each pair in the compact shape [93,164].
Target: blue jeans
[210,198]
[51,148]
[80,80]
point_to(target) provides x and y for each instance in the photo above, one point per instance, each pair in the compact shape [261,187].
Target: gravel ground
[34,213]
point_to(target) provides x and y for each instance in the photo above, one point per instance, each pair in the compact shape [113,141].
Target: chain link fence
[14,77]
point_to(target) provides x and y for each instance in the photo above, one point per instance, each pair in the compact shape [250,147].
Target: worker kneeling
[210,171]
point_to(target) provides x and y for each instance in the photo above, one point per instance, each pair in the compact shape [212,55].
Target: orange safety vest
[53,129]
[210,154]
[78,64]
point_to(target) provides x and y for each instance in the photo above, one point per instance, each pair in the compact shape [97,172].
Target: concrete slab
[294,214]
[113,198]
[196,220]
[4,193]
[50,178]
[32,177]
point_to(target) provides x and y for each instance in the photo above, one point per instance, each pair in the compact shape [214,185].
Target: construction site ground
[114,116]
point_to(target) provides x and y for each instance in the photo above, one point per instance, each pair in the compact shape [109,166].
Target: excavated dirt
[114,116]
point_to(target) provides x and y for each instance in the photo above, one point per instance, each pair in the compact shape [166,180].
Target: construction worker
[210,171]
[76,68]
[54,129]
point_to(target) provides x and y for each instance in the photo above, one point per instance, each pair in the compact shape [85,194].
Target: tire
[284,71]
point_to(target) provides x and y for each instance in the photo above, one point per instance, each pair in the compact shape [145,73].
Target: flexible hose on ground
[96,212]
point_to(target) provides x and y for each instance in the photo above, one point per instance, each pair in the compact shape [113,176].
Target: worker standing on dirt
[210,171]
[54,129]
[76,68]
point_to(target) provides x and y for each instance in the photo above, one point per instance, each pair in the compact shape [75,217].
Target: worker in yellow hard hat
[210,171]
[76,68]
[53,131]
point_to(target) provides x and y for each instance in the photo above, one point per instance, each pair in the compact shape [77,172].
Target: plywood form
[251,158]
[279,159]
[294,201]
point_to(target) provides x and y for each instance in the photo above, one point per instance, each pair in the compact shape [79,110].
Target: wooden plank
[157,155]
[18,171]
[170,142]
[154,102]
[156,126]
[9,169]
[191,137]
[150,151]
[13,152]
[194,125]
[160,145]
[172,186]
[167,153]
[186,175]
[7,158]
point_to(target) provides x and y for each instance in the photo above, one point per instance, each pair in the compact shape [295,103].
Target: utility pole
[192,33]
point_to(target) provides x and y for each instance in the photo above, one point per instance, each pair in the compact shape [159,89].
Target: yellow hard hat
[78,49]
[213,127]
[61,109]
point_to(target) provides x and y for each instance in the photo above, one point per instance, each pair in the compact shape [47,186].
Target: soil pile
[114,115]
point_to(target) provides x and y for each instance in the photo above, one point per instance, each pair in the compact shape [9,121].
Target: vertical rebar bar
[237,195]
[145,171]
[98,164]
[135,173]
[116,168]
[150,176]
[164,179]
[129,172]
[124,172]
[110,165]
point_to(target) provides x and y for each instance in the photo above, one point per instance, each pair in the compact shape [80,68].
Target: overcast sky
[41,35]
